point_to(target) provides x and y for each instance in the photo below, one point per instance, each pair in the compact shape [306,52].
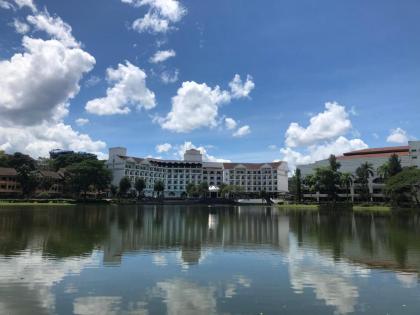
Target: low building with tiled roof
[350,161]
[177,174]
[9,186]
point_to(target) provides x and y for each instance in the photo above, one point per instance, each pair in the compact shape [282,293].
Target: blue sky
[362,55]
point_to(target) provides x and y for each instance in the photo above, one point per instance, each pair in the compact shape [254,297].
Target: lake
[206,260]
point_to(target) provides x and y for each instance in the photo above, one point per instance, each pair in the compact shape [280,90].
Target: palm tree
[346,180]
[363,173]
[383,171]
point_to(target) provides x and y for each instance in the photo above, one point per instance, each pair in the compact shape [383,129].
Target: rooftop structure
[177,174]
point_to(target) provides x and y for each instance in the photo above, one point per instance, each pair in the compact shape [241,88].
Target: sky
[249,81]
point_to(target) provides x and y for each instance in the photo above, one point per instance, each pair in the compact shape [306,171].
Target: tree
[70,158]
[18,160]
[404,186]
[87,175]
[191,189]
[383,171]
[311,182]
[27,180]
[159,188]
[394,165]
[346,180]
[363,173]
[124,186]
[298,183]
[113,189]
[203,189]
[140,185]
[334,165]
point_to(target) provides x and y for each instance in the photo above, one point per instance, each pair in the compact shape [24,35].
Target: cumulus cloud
[230,123]
[92,81]
[20,27]
[128,90]
[398,135]
[54,26]
[26,3]
[331,123]
[195,106]
[82,121]
[162,55]
[241,89]
[160,16]
[169,77]
[165,147]
[242,131]
[37,84]
[40,139]
[322,137]
[187,145]
[6,5]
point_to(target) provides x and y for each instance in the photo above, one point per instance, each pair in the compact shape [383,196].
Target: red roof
[7,171]
[375,153]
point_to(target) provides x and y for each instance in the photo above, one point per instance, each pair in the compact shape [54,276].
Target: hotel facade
[409,156]
[177,174]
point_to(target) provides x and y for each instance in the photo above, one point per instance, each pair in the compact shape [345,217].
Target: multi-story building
[409,156]
[9,185]
[177,174]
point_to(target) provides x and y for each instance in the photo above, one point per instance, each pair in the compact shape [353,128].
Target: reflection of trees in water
[381,241]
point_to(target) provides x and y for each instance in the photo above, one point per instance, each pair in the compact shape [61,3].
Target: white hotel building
[177,174]
[409,156]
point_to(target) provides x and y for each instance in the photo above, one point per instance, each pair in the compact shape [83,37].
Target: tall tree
[191,189]
[18,160]
[404,186]
[298,183]
[27,180]
[88,175]
[203,189]
[159,188]
[140,185]
[363,173]
[394,165]
[346,180]
[124,186]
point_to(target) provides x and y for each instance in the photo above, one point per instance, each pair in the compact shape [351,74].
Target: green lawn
[372,209]
[32,203]
[298,207]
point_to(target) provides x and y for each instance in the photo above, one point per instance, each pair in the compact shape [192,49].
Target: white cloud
[21,27]
[162,55]
[169,77]
[230,123]
[82,121]
[322,151]
[398,135]
[330,124]
[160,15]
[40,139]
[196,106]
[129,90]
[272,147]
[37,84]
[240,89]
[36,87]
[242,131]
[26,3]
[54,26]
[92,81]
[189,145]
[165,147]
[6,5]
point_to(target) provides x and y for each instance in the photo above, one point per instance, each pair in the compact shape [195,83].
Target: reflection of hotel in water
[191,232]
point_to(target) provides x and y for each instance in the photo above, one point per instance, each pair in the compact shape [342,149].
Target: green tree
[363,173]
[159,188]
[203,189]
[383,171]
[27,180]
[404,186]
[18,160]
[140,185]
[114,190]
[191,190]
[124,186]
[346,180]
[394,165]
[311,183]
[298,185]
[68,159]
[88,175]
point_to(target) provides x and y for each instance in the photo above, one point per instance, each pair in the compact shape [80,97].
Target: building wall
[177,174]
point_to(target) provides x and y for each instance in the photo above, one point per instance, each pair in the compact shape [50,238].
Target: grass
[371,209]
[294,206]
[4,203]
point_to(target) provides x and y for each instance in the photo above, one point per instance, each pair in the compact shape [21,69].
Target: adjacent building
[177,174]
[409,156]
[9,186]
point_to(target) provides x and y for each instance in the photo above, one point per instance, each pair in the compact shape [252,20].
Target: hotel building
[409,156]
[177,174]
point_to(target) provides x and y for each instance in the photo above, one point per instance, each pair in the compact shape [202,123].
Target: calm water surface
[206,260]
